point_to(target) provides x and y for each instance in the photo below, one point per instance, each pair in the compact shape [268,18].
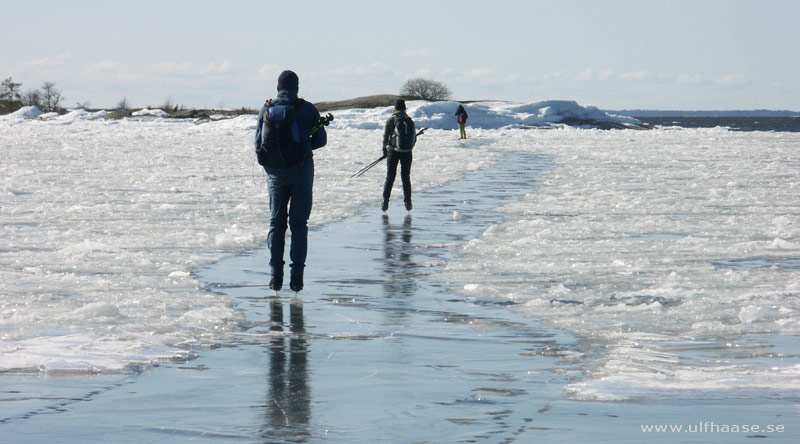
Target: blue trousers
[289,201]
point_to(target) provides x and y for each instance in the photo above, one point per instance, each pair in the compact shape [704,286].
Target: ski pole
[361,172]
[323,121]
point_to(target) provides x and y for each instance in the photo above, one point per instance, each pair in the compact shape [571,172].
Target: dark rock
[375,101]
[189,114]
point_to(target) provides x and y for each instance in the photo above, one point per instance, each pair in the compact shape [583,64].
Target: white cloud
[106,67]
[47,62]
[586,74]
[342,70]
[555,75]
[691,79]
[605,74]
[635,76]
[665,78]
[379,67]
[422,72]
[732,80]
[173,68]
[269,72]
[218,68]
[192,69]
[373,69]
[478,73]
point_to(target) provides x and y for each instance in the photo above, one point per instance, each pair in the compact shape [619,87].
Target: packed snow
[150,112]
[651,245]
[486,115]
[654,245]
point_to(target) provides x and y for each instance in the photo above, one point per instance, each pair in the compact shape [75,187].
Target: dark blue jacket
[307,116]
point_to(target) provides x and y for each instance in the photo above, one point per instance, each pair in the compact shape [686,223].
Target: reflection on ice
[399,265]
[288,403]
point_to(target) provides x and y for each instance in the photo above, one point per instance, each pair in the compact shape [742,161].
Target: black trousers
[391,172]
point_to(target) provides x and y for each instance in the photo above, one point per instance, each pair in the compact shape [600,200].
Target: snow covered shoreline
[437,115]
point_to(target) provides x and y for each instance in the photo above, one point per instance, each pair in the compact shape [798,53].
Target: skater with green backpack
[399,138]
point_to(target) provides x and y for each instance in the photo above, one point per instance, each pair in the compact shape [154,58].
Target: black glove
[385,152]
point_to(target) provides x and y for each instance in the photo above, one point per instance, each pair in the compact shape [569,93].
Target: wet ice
[637,239]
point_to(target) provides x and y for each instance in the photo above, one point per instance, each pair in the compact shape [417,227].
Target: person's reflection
[398,264]
[288,401]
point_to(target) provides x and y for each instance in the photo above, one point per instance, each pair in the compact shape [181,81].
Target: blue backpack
[281,144]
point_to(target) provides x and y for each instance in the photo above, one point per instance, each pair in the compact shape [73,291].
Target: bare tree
[168,105]
[51,97]
[123,105]
[32,97]
[122,109]
[425,89]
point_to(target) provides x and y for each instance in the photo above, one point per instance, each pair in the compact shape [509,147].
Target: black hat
[400,104]
[288,80]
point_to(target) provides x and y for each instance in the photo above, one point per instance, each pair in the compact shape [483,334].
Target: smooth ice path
[102,223]
[369,349]
[372,350]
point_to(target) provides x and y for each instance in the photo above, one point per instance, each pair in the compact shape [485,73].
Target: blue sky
[614,54]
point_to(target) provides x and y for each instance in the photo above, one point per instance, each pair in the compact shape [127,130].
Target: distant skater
[399,137]
[461,115]
[288,130]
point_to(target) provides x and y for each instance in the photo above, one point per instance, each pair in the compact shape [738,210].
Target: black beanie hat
[288,80]
[400,104]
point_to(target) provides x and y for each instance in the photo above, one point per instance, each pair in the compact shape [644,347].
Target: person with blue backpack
[399,138]
[288,129]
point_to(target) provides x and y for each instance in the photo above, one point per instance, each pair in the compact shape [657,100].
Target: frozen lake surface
[654,268]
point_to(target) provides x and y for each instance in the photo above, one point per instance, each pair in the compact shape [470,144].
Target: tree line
[48,98]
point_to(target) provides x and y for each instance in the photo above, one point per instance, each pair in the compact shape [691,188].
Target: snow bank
[672,250]
[151,113]
[487,115]
[32,112]
[81,114]
[26,112]
[556,111]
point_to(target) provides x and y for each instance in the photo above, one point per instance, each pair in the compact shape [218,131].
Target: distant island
[720,113]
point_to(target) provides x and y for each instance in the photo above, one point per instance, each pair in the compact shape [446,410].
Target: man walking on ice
[288,130]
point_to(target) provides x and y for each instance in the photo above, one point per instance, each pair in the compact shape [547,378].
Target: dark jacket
[307,116]
[388,130]
[460,111]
